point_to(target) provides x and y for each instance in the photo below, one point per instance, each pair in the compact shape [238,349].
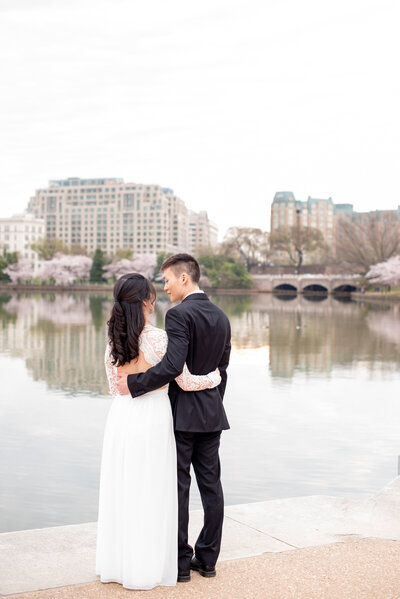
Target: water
[312,399]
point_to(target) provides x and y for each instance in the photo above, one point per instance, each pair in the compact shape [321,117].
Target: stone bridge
[306,283]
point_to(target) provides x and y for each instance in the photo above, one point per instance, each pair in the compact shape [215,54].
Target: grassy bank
[377,296]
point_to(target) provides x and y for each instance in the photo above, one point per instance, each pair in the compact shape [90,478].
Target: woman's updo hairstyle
[127,318]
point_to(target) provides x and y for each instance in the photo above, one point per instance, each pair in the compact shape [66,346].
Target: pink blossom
[385,273]
[66,268]
[143,264]
[21,271]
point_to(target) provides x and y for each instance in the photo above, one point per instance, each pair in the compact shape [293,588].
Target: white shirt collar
[197,291]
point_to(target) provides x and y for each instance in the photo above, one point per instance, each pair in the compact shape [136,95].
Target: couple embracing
[167,415]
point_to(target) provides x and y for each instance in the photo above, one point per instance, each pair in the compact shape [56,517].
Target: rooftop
[77,181]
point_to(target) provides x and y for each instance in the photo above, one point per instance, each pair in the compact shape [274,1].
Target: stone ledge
[46,558]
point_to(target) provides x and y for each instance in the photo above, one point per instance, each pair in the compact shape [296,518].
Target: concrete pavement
[64,556]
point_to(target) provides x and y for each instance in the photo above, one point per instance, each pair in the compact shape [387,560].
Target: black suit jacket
[199,334]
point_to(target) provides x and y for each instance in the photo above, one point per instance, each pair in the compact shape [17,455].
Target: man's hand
[122,384]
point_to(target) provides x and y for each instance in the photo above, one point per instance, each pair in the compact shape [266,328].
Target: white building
[18,232]
[179,219]
[110,214]
[203,233]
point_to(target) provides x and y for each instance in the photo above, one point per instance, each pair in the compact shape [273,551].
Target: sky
[224,101]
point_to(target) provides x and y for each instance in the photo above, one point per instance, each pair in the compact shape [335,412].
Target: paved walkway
[300,547]
[363,569]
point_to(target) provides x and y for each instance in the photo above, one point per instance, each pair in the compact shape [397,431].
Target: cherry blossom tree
[64,269]
[115,270]
[20,271]
[386,273]
[143,264]
[80,266]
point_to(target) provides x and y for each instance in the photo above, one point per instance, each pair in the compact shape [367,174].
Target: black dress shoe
[183,577]
[206,571]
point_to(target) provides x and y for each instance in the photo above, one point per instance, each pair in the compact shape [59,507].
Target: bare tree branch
[296,241]
[249,245]
[368,241]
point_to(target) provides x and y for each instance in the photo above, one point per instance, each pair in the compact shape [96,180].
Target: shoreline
[108,289]
[356,296]
[9,287]
[375,297]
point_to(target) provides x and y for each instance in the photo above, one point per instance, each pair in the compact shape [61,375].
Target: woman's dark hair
[127,318]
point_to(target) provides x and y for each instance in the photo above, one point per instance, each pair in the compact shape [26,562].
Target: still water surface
[312,398]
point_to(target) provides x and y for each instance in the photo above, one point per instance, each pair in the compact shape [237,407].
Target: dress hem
[141,588]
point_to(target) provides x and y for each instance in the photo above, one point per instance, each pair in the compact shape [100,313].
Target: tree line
[359,245]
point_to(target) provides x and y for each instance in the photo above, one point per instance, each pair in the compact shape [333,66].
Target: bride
[138,505]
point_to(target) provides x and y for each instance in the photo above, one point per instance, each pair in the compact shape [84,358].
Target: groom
[198,334]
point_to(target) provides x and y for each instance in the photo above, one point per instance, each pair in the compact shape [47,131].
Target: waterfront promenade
[299,548]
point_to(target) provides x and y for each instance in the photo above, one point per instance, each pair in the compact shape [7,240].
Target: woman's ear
[148,307]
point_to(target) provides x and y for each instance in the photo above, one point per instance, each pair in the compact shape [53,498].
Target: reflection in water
[315,297]
[61,341]
[312,400]
[62,337]
[385,324]
[5,316]
[250,327]
[285,297]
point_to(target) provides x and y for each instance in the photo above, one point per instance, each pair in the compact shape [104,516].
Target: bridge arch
[285,287]
[344,288]
[315,288]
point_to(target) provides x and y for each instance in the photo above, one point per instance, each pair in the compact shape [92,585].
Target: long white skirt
[138,504]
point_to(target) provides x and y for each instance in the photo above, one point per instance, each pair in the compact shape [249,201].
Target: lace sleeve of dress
[197,382]
[154,345]
[111,372]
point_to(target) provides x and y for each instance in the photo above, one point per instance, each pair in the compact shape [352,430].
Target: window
[51,204]
[128,200]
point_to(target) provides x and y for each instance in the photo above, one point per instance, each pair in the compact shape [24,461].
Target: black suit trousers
[200,449]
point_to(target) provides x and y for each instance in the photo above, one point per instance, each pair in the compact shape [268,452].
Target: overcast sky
[224,101]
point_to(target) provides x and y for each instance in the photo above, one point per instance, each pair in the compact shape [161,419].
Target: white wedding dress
[138,504]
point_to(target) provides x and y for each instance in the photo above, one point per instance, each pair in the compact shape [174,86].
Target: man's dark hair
[180,263]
